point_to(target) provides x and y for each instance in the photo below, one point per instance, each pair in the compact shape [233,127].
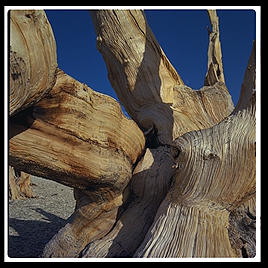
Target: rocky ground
[33,222]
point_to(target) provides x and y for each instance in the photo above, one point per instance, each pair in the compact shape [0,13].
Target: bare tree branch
[192,220]
[215,67]
[147,84]
[173,199]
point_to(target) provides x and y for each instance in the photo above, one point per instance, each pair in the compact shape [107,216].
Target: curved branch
[148,86]
[79,138]
[193,219]
[72,128]
[148,187]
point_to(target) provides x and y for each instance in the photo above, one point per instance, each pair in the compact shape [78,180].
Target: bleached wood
[33,58]
[13,187]
[147,84]
[148,187]
[199,160]
[192,221]
[72,128]
[215,67]
[79,138]
[19,185]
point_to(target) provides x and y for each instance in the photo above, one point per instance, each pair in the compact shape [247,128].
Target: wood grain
[215,66]
[163,185]
[32,59]
[79,138]
[68,137]
[147,84]
[193,219]
[148,187]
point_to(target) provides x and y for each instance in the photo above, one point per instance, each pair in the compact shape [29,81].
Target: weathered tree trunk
[168,185]
[33,58]
[19,185]
[86,143]
[193,219]
[146,83]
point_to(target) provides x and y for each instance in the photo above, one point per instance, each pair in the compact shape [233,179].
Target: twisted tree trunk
[166,184]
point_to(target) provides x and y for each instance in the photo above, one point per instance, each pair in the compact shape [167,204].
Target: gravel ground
[33,222]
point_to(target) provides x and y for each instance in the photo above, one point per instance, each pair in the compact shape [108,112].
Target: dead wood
[174,183]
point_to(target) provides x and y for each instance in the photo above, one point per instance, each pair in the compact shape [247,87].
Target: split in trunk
[196,167]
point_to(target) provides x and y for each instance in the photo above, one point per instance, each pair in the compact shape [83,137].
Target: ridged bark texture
[167,184]
[193,219]
[33,58]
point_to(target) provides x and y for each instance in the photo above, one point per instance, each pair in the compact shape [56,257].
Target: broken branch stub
[215,67]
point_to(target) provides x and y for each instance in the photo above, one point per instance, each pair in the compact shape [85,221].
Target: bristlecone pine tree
[175,180]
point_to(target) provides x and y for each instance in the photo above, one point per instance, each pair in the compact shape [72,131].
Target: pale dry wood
[147,84]
[33,58]
[200,109]
[75,136]
[189,110]
[13,188]
[148,187]
[215,67]
[193,219]
[19,185]
[82,139]
[90,221]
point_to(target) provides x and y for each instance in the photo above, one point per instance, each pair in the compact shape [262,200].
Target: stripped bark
[146,83]
[87,143]
[33,58]
[80,148]
[215,67]
[149,184]
[193,219]
[72,128]
[188,109]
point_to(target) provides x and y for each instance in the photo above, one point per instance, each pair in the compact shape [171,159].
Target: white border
[258,133]
[5,135]
[256,8]
[257,258]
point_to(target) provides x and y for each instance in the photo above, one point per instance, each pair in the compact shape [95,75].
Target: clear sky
[182,34]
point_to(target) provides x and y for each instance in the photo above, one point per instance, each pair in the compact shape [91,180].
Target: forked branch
[193,219]
[147,84]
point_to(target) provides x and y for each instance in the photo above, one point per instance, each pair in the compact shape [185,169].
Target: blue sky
[181,33]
